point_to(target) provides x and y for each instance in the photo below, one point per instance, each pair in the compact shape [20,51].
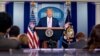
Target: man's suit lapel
[53,23]
[45,22]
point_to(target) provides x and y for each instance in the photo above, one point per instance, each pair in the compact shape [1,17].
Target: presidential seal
[49,33]
[69,32]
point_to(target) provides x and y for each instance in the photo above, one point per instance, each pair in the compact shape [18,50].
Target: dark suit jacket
[6,44]
[43,22]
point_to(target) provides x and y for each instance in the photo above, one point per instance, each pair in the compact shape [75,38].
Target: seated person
[14,32]
[80,41]
[94,42]
[23,38]
[5,24]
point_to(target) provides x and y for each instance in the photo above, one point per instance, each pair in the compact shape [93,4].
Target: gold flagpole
[68,3]
[32,8]
[32,3]
[69,32]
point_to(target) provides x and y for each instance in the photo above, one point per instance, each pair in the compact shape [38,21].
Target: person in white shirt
[48,21]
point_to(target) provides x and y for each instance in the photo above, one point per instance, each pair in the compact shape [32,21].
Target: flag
[32,35]
[67,21]
[68,16]
[69,31]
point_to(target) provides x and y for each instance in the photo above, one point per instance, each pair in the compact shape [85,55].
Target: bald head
[49,12]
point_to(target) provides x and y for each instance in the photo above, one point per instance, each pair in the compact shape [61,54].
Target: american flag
[32,35]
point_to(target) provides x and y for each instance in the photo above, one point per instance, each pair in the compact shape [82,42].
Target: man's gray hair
[49,9]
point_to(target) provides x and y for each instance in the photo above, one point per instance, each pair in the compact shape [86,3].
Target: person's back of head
[95,33]
[23,38]
[14,31]
[94,41]
[80,36]
[5,22]
[80,41]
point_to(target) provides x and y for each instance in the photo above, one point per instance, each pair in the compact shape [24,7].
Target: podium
[48,37]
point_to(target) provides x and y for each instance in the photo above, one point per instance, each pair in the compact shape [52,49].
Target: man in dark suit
[5,24]
[48,21]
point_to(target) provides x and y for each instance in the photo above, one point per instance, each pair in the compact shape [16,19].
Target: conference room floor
[49,52]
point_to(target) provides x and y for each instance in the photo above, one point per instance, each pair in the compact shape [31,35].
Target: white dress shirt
[49,22]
